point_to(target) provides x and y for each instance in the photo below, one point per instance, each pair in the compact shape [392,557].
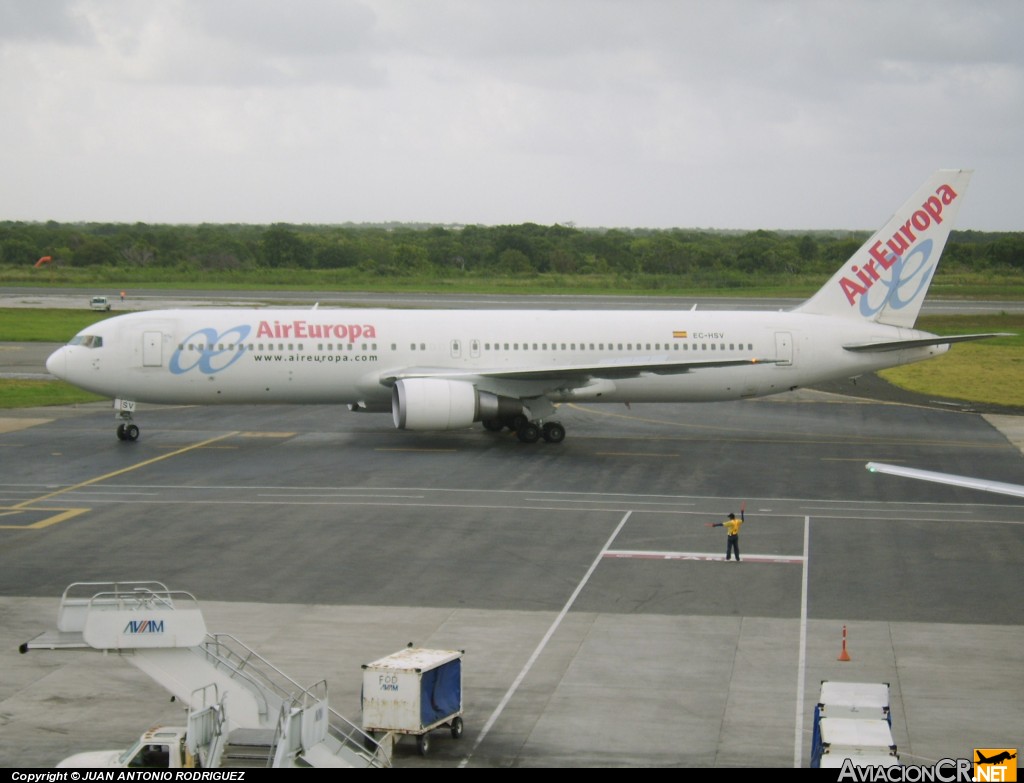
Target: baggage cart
[413,691]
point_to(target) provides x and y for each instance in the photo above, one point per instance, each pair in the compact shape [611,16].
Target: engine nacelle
[433,404]
[441,404]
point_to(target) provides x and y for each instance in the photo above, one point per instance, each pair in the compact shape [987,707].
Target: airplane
[448,369]
[1004,756]
[985,485]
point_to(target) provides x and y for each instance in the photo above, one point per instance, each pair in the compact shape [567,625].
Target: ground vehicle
[413,691]
[161,747]
[272,720]
[99,303]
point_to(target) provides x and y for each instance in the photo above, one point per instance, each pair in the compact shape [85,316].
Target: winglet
[887,279]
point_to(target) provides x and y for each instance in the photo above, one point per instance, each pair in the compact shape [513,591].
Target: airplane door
[474,349]
[783,349]
[456,349]
[152,351]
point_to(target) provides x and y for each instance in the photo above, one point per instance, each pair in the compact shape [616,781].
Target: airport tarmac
[600,623]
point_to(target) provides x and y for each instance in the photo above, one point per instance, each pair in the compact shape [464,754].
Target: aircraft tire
[553,432]
[528,433]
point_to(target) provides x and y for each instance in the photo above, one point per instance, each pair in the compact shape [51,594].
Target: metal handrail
[284,686]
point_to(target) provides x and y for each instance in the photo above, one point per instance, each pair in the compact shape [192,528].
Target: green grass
[16,393]
[29,325]
[23,325]
[990,371]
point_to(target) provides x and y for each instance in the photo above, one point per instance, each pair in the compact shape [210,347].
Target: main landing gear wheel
[528,432]
[127,432]
[553,432]
[493,425]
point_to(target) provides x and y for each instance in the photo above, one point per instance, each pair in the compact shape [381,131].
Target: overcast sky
[634,113]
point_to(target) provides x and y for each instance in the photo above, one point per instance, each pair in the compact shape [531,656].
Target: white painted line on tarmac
[543,642]
[801,666]
[641,554]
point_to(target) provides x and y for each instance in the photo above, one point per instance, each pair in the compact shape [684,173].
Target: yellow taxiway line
[68,513]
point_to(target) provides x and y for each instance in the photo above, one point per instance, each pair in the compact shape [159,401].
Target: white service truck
[161,747]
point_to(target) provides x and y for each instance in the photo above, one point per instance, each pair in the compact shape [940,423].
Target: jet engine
[441,404]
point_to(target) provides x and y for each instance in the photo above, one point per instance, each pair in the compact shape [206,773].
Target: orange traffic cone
[844,656]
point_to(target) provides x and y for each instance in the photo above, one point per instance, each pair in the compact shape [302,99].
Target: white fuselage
[445,369]
[204,356]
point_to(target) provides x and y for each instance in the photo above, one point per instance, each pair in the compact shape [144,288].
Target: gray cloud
[743,113]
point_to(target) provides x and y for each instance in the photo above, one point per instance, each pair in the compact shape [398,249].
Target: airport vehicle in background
[447,369]
[99,303]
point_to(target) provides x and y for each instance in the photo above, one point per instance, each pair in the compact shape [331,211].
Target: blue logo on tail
[911,272]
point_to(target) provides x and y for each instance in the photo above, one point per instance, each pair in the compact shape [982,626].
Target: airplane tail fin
[887,278]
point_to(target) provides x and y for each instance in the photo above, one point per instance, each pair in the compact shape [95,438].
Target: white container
[855,735]
[412,691]
[854,700]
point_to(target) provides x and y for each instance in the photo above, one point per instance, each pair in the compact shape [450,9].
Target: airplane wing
[899,345]
[999,487]
[581,373]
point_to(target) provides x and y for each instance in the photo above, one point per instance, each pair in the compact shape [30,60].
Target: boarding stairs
[243,711]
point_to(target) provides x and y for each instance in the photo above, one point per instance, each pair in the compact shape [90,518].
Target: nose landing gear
[127,432]
[127,429]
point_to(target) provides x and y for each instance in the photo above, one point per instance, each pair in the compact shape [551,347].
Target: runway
[158,298]
[602,627]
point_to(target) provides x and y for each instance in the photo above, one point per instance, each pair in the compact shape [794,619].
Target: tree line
[512,250]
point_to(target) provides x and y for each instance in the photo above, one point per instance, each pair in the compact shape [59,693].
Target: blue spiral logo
[211,359]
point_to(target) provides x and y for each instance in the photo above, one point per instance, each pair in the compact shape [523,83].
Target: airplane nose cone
[56,364]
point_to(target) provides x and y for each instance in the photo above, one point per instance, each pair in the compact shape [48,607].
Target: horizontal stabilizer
[924,342]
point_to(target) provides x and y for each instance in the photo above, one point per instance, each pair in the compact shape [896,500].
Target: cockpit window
[87,340]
